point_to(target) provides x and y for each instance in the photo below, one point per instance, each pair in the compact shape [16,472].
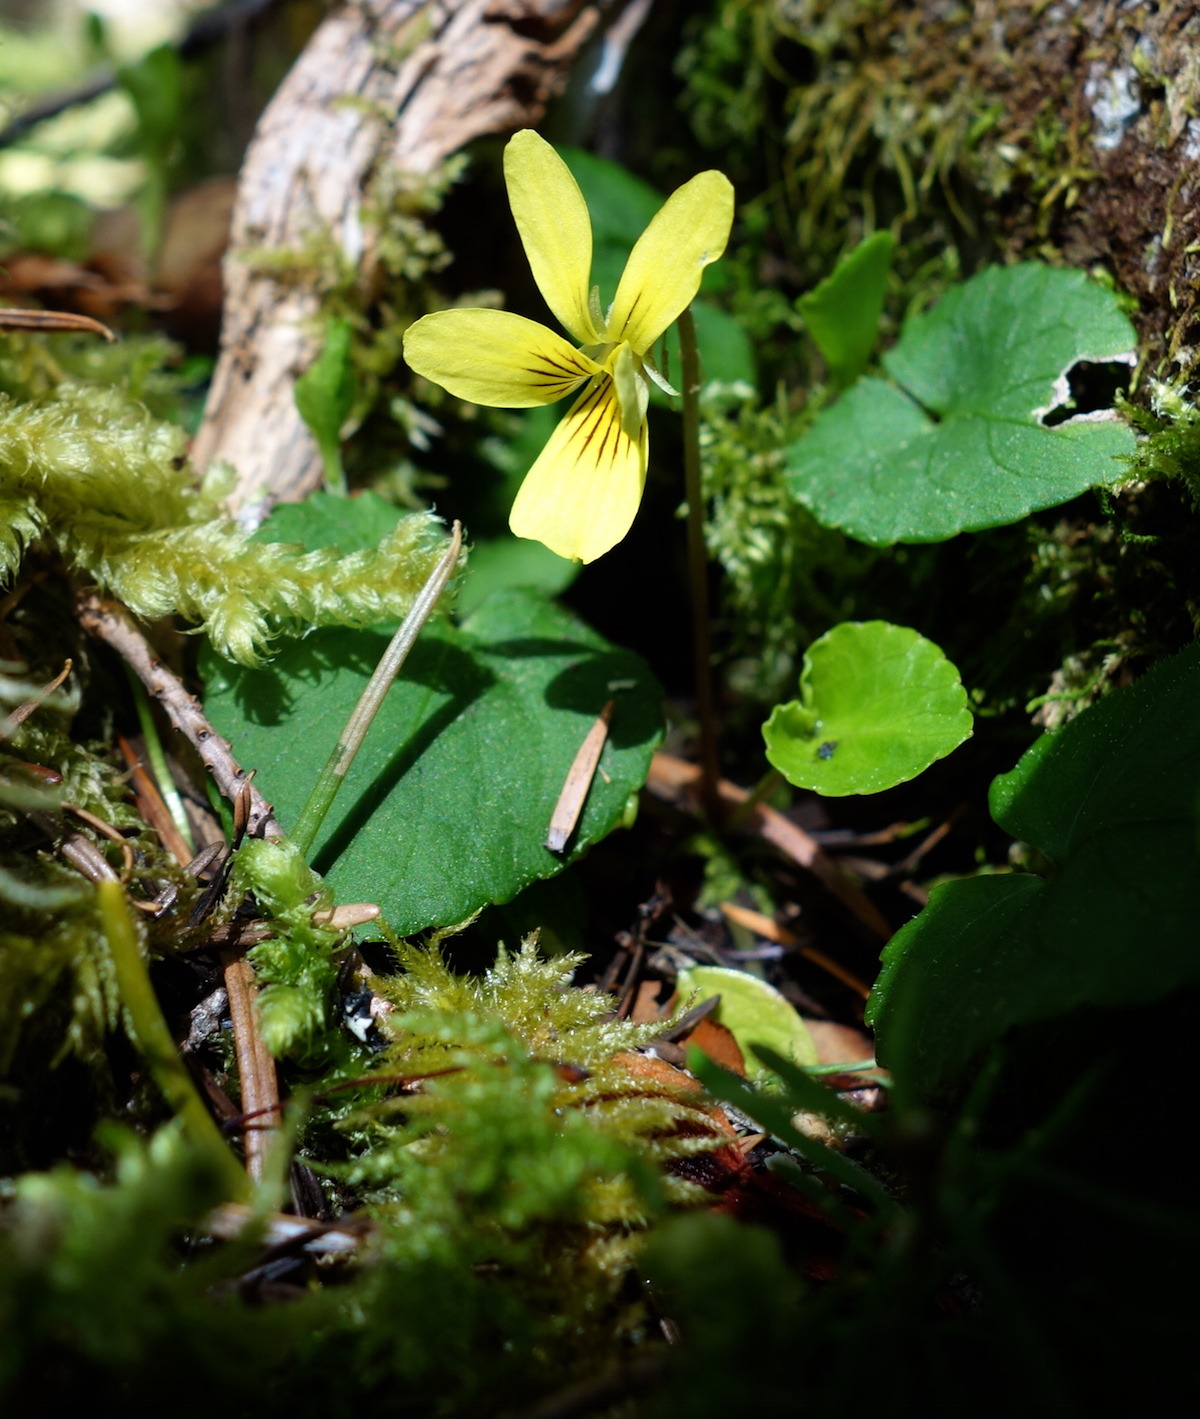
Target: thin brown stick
[106,830]
[83,854]
[256,1067]
[579,781]
[927,843]
[670,777]
[113,625]
[13,721]
[50,321]
[152,806]
[764,926]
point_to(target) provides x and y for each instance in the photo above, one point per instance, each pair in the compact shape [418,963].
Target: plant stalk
[332,776]
[158,761]
[766,785]
[710,768]
[153,1038]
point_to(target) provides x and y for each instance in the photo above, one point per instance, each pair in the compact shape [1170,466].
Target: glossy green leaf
[753,1012]
[448,803]
[325,395]
[956,444]
[878,704]
[501,563]
[842,313]
[1110,800]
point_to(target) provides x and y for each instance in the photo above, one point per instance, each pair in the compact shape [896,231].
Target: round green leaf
[957,443]
[878,704]
[753,1012]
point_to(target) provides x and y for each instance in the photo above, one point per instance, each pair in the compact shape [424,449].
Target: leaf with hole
[1110,800]
[878,704]
[957,443]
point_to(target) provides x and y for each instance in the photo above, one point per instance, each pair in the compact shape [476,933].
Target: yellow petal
[582,494]
[494,357]
[555,229]
[663,274]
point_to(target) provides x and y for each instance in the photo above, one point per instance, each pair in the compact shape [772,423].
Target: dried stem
[672,778]
[333,775]
[256,1068]
[113,625]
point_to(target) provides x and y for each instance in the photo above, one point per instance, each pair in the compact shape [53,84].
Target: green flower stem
[153,1038]
[158,761]
[766,785]
[710,770]
[320,800]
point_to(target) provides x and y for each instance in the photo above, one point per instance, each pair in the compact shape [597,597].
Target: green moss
[87,471]
[976,133]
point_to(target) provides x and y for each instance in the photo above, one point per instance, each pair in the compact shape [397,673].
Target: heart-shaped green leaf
[447,806]
[878,704]
[957,443]
[1110,799]
[842,313]
[753,1012]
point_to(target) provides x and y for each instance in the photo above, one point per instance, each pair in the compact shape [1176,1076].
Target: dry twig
[112,624]
[670,778]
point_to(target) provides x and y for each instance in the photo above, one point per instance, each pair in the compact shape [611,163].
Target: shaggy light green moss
[87,472]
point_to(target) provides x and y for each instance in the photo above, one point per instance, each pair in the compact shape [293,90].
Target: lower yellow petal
[582,494]
[496,358]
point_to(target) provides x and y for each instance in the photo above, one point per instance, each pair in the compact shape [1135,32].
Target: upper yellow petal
[662,276]
[496,358]
[555,229]
[582,494]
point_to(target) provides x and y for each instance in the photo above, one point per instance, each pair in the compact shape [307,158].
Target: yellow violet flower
[582,494]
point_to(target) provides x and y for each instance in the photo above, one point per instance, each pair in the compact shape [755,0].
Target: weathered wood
[382,81]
